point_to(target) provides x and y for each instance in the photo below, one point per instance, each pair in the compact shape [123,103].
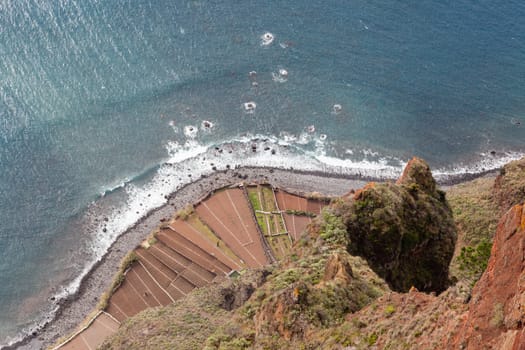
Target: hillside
[390,266]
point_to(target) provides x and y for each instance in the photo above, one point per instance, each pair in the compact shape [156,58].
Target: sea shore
[78,306]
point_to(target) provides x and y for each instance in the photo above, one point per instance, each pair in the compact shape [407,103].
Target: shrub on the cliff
[332,228]
[473,259]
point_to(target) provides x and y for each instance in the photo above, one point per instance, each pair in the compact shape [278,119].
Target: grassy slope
[476,215]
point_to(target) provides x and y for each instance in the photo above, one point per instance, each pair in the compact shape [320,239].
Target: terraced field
[297,211]
[270,219]
[233,229]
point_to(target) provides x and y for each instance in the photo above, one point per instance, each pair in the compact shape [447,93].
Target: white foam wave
[191,131]
[249,107]
[113,188]
[487,162]
[281,76]
[267,38]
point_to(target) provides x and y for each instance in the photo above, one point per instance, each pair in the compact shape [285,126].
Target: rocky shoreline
[77,307]
[73,310]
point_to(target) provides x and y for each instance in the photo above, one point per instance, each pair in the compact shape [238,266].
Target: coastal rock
[417,172]
[496,315]
[404,230]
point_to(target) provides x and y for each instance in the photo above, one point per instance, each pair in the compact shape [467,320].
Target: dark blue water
[96,96]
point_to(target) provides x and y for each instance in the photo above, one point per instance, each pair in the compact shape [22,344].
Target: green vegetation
[254,199]
[371,339]
[473,260]
[270,222]
[184,213]
[332,228]
[262,198]
[389,310]
[268,198]
[300,213]
[476,216]
[498,315]
[405,230]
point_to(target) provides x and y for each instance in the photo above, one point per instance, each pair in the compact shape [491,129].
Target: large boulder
[404,230]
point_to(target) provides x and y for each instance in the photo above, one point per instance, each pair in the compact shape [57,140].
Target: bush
[473,260]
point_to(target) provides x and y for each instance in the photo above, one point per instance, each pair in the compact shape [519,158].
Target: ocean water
[107,106]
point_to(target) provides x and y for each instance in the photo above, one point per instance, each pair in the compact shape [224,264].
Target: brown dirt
[168,257]
[126,300]
[141,289]
[191,233]
[161,272]
[191,251]
[94,335]
[180,286]
[180,265]
[288,201]
[228,214]
[296,225]
[152,286]
[200,273]
[315,206]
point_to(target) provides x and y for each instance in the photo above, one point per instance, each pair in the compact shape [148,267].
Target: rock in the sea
[404,230]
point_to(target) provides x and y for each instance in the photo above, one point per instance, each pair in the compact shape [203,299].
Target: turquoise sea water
[102,105]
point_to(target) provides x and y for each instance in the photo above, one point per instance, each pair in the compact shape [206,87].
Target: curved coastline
[72,310]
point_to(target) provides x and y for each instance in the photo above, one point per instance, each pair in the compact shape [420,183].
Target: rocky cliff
[496,314]
[404,230]
[372,272]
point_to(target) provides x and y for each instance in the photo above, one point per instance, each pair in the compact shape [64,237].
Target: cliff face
[404,230]
[496,315]
[331,292]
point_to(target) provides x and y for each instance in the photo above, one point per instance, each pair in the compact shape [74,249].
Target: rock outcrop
[509,188]
[404,230]
[496,315]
